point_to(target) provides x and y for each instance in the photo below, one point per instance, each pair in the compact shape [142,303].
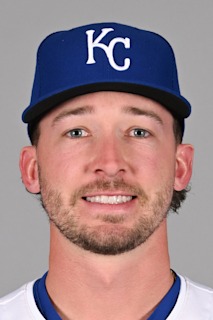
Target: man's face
[107,164]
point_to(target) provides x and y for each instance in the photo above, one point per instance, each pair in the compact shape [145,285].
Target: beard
[112,236]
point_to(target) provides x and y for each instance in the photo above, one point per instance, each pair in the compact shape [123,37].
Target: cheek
[155,166]
[59,167]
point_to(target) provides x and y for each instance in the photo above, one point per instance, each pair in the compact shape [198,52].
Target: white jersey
[195,302]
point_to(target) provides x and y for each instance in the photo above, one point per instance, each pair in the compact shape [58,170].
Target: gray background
[188,25]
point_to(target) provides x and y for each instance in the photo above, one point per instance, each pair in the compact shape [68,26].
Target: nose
[109,159]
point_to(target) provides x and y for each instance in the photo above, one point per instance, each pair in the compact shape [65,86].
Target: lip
[109,193]
[104,201]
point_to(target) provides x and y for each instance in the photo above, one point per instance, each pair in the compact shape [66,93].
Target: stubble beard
[111,237]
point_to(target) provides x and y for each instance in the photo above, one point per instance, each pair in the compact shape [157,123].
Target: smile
[109,199]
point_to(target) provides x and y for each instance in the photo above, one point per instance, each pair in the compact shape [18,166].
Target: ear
[29,169]
[184,160]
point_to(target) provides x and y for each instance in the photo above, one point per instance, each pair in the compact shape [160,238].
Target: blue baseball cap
[105,57]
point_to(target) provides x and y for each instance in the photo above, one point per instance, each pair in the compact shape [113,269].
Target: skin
[111,148]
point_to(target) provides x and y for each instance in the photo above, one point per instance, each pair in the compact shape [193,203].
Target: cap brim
[177,105]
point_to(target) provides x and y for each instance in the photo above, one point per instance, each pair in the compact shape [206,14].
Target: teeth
[109,199]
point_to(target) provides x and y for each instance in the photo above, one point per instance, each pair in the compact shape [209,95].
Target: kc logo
[109,50]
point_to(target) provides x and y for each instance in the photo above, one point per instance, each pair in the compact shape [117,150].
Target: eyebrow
[89,110]
[140,112]
[74,112]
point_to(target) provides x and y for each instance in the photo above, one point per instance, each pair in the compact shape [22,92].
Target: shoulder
[199,292]
[20,304]
[195,301]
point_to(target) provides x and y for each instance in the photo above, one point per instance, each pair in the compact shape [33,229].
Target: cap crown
[105,56]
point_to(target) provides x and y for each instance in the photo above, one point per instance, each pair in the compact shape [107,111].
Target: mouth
[112,199]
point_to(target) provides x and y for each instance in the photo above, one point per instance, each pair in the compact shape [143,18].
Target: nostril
[110,171]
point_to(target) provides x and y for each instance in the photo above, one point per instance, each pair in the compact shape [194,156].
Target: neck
[90,286]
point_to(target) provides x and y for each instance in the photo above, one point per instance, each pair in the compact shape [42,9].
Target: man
[106,121]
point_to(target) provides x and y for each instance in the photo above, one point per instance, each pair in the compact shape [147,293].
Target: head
[178,196]
[113,89]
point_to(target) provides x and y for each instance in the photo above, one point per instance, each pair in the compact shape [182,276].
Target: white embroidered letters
[109,50]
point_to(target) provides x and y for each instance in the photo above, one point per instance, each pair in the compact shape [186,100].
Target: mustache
[105,185]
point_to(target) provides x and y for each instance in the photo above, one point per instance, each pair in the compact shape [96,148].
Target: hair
[34,131]
[178,196]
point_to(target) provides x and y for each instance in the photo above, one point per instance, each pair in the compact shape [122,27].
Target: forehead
[109,102]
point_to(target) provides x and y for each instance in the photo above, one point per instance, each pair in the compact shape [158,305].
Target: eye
[77,133]
[139,133]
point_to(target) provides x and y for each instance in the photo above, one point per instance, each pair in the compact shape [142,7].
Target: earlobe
[184,160]
[29,169]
